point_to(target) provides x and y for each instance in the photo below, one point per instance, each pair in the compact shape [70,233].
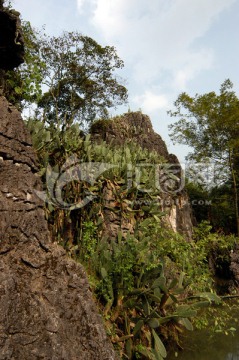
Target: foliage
[24,85]
[214,205]
[145,297]
[69,78]
[222,214]
[198,196]
[209,124]
[80,79]
[215,246]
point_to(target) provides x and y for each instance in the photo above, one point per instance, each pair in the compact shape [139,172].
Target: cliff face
[46,307]
[137,127]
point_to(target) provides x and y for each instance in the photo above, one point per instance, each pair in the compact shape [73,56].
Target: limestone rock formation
[137,127]
[46,308]
[132,126]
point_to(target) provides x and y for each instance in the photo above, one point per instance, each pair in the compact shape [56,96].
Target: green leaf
[200,304]
[138,327]
[104,273]
[129,348]
[187,324]
[180,281]
[156,355]
[18,90]
[147,353]
[157,218]
[173,298]
[178,291]
[47,136]
[155,298]
[173,283]
[209,296]
[185,311]
[160,282]
[153,323]
[157,293]
[159,346]
[146,307]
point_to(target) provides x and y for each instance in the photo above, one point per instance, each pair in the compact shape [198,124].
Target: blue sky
[168,46]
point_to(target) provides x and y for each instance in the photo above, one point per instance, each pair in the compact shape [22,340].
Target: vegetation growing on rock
[104,206]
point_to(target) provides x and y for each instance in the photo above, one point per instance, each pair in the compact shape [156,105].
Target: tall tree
[70,78]
[209,123]
[80,79]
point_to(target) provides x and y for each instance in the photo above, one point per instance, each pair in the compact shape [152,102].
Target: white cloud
[194,64]
[149,101]
[158,37]
[80,4]
[105,18]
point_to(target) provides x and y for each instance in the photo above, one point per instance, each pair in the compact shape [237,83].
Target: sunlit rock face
[46,308]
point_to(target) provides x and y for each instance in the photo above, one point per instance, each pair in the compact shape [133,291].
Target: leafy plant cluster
[146,297]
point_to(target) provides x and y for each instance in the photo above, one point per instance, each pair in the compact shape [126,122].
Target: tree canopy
[209,123]
[70,78]
[80,79]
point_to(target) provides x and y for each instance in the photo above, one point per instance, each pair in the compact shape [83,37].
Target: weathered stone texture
[46,307]
[133,126]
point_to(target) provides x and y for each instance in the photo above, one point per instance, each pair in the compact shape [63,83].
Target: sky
[168,46]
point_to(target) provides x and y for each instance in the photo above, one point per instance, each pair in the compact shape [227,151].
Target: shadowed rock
[11,40]
[46,308]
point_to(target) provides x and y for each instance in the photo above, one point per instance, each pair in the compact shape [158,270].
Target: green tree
[80,79]
[70,78]
[209,123]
